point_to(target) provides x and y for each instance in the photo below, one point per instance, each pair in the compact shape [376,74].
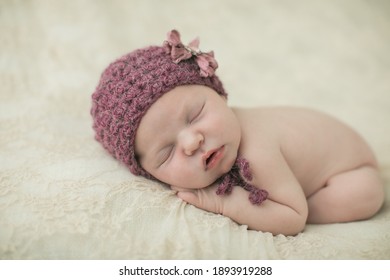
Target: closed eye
[199,112]
[165,155]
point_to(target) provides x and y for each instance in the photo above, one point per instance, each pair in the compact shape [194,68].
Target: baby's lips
[207,155]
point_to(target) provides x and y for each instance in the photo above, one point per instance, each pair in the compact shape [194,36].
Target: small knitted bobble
[239,175]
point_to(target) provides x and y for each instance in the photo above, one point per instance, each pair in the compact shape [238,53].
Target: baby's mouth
[212,157]
[209,158]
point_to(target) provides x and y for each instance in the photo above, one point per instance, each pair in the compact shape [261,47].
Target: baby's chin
[205,181]
[213,181]
[224,170]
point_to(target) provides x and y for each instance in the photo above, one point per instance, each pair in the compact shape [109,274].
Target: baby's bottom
[349,196]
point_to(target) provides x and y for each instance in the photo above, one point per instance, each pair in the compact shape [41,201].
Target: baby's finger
[189,197]
[178,189]
[200,199]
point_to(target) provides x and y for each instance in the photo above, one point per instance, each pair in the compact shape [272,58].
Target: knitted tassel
[239,175]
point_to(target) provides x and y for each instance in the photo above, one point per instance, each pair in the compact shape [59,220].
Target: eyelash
[198,114]
[167,155]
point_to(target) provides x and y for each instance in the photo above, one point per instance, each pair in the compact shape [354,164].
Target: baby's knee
[373,194]
[360,193]
[377,197]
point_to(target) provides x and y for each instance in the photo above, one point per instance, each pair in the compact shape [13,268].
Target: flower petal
[180,52]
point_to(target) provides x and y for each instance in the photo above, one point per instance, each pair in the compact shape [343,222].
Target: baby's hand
[205,198]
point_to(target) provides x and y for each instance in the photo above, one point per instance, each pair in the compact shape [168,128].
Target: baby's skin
[315,168]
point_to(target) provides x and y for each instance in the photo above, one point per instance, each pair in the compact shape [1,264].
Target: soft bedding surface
[63,197]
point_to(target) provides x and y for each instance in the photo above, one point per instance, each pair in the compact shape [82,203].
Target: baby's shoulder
[282,118]
[268,130]
[272,112]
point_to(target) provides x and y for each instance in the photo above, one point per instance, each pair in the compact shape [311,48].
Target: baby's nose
[191,142]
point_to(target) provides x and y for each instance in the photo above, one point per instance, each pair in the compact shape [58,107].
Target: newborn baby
[163,112]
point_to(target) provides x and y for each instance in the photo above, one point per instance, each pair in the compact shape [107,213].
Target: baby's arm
[284,212]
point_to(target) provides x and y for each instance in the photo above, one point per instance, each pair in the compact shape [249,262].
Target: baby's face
[188,138]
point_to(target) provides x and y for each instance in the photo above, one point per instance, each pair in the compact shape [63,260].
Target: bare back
[315,145]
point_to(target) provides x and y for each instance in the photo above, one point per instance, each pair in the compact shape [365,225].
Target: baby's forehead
[169,108]
[180,98]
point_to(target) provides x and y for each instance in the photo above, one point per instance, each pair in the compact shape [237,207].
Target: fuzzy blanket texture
[63,197]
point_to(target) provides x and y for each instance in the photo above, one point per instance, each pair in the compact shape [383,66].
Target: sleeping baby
[163,112]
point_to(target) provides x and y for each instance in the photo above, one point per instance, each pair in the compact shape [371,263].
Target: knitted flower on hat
[130,85]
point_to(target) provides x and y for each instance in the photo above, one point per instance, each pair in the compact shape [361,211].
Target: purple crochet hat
[130,85]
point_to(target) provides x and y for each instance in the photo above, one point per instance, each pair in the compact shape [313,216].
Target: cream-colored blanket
[63,197]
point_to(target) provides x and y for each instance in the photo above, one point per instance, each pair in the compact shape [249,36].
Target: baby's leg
[349,196]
